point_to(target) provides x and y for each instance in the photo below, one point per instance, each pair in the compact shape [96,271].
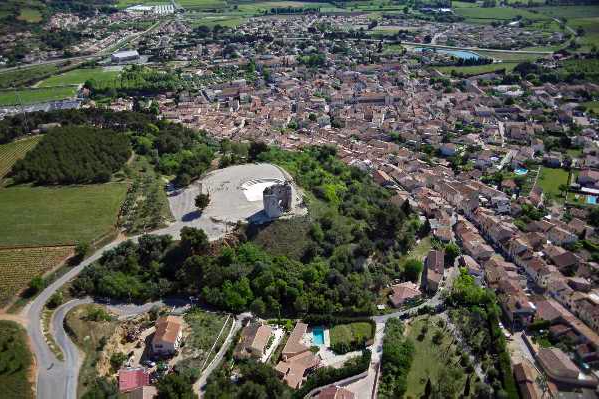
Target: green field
[30,15]
[262,6]
[479,69]
[16,360]
[11,152]
[211,21]
[431,360]
[490,14]
[592,106]
[510,57]
[202,4]
[79,76]
[205,329]
[17,77]
[32,96]
[58,215]
[591,31]
[550,179]
[350,333]
[570,12]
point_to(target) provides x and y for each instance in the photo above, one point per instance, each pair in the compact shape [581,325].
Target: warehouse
[123,56]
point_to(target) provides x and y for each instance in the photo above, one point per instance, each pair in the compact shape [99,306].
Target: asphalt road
[55,378]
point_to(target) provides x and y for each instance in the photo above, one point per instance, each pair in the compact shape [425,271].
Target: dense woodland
[173,149]
[355,220]
[74,155]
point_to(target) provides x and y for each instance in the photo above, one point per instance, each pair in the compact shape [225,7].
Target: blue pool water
[521,171]
[466,55]
[591,200]
[318,336]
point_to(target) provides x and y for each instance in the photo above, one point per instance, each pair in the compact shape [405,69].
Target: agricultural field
[146,206]
[88,335]
[17,77]
[348,334]
[32,96]
[260,7]
[487,15]
[19,266]
[478,69]
[202,4]
[79,76]
[590,26]
[11,152]
[550,179]
[589,67]
[570,12]
[510,57]
[16,360]
[38,216]
[435,357]
[211,21]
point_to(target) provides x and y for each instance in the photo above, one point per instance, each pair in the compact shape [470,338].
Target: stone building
[277,199]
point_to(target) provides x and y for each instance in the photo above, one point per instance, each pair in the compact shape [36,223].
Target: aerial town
[293,199]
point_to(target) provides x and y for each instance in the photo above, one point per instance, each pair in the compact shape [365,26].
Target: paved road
[53,374]
[70,350]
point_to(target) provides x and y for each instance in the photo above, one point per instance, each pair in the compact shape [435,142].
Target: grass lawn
[32,96]
[349,333]
[202,4]
[570,12]
[87,335]
[479,69]
[550,179]
[16,360]
[36,216]
[429,358]
[78,76]
[11,152]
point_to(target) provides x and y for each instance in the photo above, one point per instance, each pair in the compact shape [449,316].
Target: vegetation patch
[91,336]
[204,330]
[352,336]
[282,237]
[20,265]
[15,362]
[478,69]
[74,155]
[30,15]
[37,216]
[12,152]
[436,360]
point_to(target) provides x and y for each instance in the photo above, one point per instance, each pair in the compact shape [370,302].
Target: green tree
[175,386]
[194,241]
[413,269]
[452,251]
[201,201]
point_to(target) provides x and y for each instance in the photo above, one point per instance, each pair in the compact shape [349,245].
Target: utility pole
[25,124]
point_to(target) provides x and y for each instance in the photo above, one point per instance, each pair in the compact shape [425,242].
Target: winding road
[58,379]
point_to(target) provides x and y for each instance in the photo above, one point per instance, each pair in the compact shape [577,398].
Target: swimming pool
[591,199]
[463,54]
[521,171]
[318,336]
